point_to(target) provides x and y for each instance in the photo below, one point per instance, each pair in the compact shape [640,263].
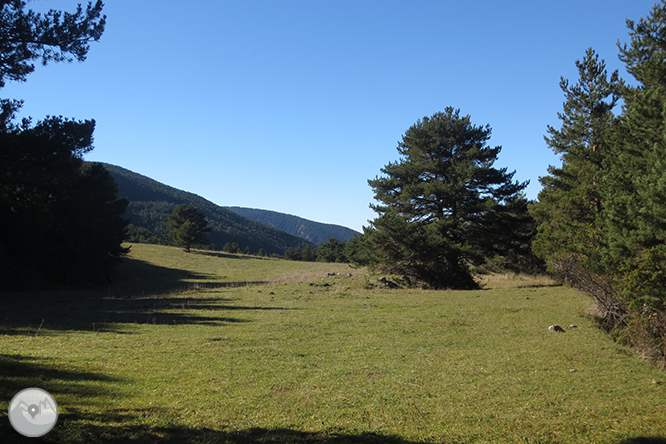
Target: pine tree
[331,251]
[634,187]
[293,253]
[187,227]
[55,36]
[308,254]
[441,203]
[61,217]
[570,201]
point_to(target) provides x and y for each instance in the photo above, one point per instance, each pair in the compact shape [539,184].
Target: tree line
[187,228]
[602,214]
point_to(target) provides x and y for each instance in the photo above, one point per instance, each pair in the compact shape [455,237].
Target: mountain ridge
[316,232]
[151,202]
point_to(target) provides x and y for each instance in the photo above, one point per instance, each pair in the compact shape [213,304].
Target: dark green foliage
[187,227]
[634,189]
[602,216]
[151,202]
[62,221]
[56,36]
[293,254]
[443,206]
[143,235]
[511,246]
[332,251]
[62,218]
[570,201]
[230,248]
[361,251]
[308,255]
[315,232]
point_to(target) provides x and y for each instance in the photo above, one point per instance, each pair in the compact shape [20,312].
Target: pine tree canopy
[441,204]
[55,36]
[187,227]
[570,201]
[63,221]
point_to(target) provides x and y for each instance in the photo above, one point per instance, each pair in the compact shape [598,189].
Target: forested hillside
[316,232]
[151,202]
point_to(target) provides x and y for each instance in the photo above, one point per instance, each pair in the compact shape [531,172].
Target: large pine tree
[570,202]
[442,206]
[62,221]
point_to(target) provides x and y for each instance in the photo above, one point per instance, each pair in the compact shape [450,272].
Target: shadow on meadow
[20,372]
[118,433]
[115,426]
[644,440]
[119,427]
[222,254]
[143,293]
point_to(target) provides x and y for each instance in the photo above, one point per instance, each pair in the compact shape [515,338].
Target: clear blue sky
[293,105]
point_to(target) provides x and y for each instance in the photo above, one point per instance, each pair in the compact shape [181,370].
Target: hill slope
[151,202]
[316,232]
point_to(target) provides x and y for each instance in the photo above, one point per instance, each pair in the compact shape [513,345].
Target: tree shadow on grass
[20,372]
[76,424]
[644,440]
[143,294]
[226,255]
[554,284]
[114,434]
[136,277]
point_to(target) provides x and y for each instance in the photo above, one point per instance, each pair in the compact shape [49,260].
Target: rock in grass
[555,328]
[387,283]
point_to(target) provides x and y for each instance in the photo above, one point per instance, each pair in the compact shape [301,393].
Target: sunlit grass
[309,358]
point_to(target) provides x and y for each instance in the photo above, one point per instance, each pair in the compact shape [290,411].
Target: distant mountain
[316,232]
[151,203]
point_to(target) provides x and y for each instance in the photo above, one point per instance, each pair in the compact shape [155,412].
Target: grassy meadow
[208,347]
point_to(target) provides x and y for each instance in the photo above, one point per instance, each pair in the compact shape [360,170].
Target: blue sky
[292,105]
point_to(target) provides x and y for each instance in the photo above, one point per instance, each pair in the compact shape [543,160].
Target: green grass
[175,353]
